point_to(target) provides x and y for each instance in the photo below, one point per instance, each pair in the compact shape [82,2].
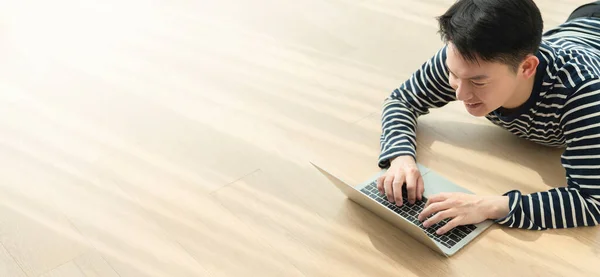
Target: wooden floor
[173,138]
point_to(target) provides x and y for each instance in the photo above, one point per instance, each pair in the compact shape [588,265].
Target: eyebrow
[476,77]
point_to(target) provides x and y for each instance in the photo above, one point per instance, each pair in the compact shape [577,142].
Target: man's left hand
[463,209]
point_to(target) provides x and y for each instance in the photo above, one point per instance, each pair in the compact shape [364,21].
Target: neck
[522,94]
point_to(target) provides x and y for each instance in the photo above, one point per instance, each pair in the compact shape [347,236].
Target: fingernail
[439,232]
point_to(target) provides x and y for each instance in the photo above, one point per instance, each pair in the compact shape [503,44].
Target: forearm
[426,88]
[398,136]
[496,207]
[556,208]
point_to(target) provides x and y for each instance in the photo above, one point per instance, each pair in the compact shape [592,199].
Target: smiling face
[486,86]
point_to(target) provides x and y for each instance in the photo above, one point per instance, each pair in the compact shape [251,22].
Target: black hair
[493,30]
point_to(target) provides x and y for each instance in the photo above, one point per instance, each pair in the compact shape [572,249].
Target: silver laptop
[406,216]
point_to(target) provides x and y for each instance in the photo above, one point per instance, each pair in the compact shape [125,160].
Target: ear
[529,66]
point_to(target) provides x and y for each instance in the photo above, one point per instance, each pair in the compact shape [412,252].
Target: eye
[478,84]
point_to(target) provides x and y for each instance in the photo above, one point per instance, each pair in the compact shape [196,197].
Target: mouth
[473,105]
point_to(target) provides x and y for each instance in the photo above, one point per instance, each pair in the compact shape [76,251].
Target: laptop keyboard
[411,212]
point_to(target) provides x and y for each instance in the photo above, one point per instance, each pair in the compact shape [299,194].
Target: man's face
[484,86]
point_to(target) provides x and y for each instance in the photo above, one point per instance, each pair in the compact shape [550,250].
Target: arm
[579,203]
[427,88]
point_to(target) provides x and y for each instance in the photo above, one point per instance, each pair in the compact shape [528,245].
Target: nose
[462,92]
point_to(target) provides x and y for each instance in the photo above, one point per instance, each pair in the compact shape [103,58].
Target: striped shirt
[563,111]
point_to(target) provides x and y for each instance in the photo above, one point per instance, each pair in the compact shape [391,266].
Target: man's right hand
[403,169]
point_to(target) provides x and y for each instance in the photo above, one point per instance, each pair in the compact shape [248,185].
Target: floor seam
[363,118]
[212,193]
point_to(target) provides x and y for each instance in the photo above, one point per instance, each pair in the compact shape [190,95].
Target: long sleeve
[427,88]
[578,204]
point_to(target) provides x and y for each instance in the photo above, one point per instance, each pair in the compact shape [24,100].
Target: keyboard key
[452,243]
[458,232]
[413,213]
[461,232]
[435,227]
[453,237]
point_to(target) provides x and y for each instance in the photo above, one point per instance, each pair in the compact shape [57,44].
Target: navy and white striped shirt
[563,111]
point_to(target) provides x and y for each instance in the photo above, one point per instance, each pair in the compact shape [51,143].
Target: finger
[380,184]
[449,226]
[397,184]
[438,217]
[434,208]
[420,188]
[387,185]
[411,185]
[436,198]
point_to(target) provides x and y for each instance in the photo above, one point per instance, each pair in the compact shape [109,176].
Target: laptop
[405,217]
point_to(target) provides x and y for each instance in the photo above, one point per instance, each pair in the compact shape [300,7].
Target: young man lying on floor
[544,87]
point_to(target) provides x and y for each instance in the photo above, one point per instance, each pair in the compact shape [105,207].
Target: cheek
[489,95]
[453,83]
[482,95]
[494,95]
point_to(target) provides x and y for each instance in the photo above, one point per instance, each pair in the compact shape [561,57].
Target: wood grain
[173,138]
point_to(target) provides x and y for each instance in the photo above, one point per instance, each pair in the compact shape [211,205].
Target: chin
[478,114]
[477,111]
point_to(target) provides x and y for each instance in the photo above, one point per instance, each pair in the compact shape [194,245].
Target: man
[541,87]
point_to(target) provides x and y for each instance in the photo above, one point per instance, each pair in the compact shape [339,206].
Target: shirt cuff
[514,197]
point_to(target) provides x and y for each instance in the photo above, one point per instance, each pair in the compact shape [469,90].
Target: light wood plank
[318,247]
[32,229]
[217,239]
[37,239]
[92,264]
[69,269]
[8,266]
